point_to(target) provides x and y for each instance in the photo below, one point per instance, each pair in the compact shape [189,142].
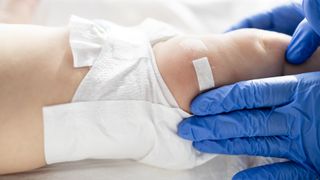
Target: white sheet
[201,16]
[222,168]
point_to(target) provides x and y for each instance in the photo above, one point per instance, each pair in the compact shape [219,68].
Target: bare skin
[35,62]
[36,70]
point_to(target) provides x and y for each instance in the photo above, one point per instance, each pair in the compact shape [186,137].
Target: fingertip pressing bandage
[204,73]
[122,109]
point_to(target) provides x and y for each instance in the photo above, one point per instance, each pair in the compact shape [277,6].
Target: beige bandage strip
[204,73]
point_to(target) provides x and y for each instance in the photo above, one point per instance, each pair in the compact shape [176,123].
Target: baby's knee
[274,42]
[275,46]
[262,47]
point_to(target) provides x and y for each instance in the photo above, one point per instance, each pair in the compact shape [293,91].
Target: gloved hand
[274,117]
[289,19]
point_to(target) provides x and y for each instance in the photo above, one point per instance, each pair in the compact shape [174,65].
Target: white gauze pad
[204,73]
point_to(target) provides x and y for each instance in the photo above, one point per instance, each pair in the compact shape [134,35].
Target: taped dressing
[204,73]
[201,66]
[122,109]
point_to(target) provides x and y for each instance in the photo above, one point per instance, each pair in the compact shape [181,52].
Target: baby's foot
[18,11]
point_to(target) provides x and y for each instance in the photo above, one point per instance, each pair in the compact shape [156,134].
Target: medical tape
[204,73]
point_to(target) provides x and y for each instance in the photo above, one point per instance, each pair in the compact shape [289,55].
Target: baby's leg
[35,73]
[236,56]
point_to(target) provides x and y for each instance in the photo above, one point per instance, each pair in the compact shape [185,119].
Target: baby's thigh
[35,70]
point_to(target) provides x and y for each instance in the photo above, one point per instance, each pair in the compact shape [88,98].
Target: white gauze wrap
[122,108]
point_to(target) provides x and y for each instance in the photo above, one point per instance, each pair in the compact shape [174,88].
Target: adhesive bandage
[204,73]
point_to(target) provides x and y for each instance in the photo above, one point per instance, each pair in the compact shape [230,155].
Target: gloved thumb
[311,10]
[304,43]
[278,171]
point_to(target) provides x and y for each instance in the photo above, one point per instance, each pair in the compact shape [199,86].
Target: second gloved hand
[289,19]
[274,117]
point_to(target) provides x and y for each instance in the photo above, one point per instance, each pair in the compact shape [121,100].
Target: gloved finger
[259,21]
[245,123]
[304,43]
[283,19]
[278,171]
[273,146]
[245,95]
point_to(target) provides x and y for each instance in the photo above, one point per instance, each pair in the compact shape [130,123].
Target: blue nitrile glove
[273,117]
[289,19]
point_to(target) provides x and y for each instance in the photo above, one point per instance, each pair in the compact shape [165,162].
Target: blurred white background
[197,16]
